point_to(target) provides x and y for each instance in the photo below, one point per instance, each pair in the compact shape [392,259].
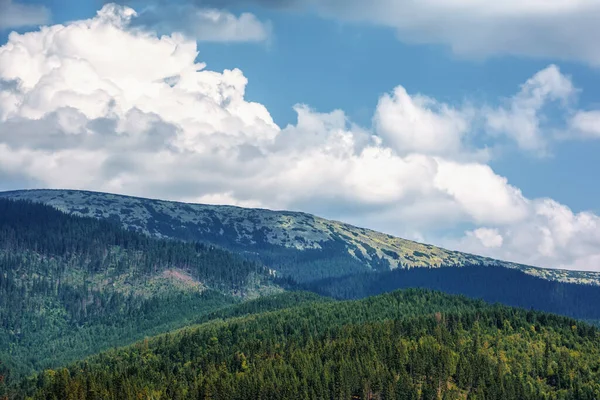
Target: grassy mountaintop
[303,246]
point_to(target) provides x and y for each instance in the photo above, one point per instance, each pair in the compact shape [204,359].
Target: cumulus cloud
[100,104]
[15,15]
[483,195]
[417,123]
[487,237]
[204,24]
[522,118]
[420,124]
[551,234]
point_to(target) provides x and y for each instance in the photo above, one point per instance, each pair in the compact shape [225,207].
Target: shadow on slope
[492,284]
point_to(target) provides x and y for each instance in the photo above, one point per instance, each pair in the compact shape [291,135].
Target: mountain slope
[72,286]
[403,345]
[299,245]
[492,284]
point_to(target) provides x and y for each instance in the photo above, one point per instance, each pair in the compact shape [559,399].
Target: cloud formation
[16,15]
[550,235]
[104,105]
[558,29]
[204,24]
[521,119]
[420,124]
[587,123]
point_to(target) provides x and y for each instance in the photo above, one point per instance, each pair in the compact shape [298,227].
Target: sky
[462,123]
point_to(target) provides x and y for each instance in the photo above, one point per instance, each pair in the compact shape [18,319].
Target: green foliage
[263,304]
[298,245]
[26,226]
[490,283]
[72,286]
[404,345]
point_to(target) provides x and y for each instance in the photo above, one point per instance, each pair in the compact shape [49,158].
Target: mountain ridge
[274,236]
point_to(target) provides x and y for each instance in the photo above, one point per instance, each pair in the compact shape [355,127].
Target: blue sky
[340,57]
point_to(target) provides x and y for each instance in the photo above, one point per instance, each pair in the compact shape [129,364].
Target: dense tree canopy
[72,286]
[405,345]
[490,283]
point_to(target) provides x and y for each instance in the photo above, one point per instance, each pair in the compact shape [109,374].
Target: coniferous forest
[490,283]
[71,286]
[414,344]
[89,310]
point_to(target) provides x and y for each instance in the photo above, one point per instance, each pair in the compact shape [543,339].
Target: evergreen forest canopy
[413,344]
[73,286]
[492,284]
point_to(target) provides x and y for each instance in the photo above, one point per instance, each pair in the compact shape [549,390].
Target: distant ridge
[301,246]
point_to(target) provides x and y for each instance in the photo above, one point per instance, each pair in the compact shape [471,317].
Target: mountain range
[83,272]
[295,244]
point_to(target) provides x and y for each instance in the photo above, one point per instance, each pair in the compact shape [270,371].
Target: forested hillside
[295,244]
[405,345]
[492,284]
[72,286]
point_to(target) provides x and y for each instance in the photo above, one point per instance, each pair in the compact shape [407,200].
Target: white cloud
[482,194]
[488,237]
[586,123]
[15,15]
[522,118]
[551,235]
[560,29]
[98,104]
[417,123]
[204,24]
[420,124]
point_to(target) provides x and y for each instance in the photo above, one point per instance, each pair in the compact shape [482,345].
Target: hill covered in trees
[294,244]
[411,344]
[492,284]
[72,286]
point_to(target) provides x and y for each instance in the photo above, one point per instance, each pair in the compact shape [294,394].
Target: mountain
[71,286]
[84,272]
[492,284]
[294,244]
[416,345]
